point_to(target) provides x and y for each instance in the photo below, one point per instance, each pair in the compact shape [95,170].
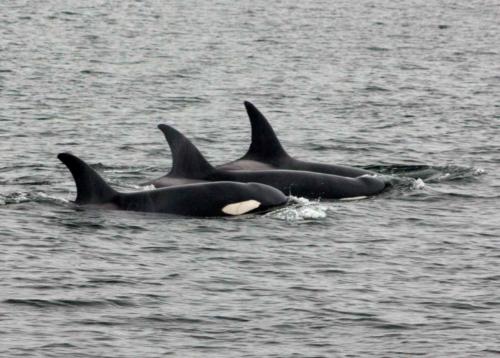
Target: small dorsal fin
[265,144]
[90,186]
[187,161]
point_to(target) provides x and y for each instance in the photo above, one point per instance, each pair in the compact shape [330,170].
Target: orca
[189,164]
[266,152]
[200,200]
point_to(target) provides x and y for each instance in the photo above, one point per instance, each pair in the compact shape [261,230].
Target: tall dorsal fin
[187,161]
[90,186]
[265,145]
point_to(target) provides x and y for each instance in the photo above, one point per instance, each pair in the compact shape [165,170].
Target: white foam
[418,184]
[17,198]
[43,195]
[313,212]
[146,187]
[299,200]
[303,209]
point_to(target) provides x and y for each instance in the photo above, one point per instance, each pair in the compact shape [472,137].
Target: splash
[145,187]
[418,184]
[300,209]
[20,197]
[16,198]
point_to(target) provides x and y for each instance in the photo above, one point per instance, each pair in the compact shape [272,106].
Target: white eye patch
[241,208]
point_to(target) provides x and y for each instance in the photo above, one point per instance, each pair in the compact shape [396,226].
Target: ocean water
[410,89]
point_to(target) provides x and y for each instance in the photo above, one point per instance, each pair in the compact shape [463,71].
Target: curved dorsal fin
[90,186]
[187,161]
[265,145]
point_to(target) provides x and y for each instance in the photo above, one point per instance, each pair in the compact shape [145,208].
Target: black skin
[189,164]
[289,163]
[266,152]
[201,199]
[306,184]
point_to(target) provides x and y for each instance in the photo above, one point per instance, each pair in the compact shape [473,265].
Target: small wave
[94,72]
[58,345]
[376,89]
[41,303]
[109,281]
[460,194]
[128,170]
[43,197]
[172,320]
[377,48]
[187,99]
[71,13]
[393,326]
[227,318]
[96,322]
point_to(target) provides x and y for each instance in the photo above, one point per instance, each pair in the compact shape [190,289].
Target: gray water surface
[410,89]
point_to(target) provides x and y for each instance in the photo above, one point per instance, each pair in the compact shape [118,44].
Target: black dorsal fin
[90,187]
[187,161]
[265,144]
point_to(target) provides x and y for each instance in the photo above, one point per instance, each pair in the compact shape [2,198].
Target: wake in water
[431,174]
[20,197]
[411,181]
[302,209]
